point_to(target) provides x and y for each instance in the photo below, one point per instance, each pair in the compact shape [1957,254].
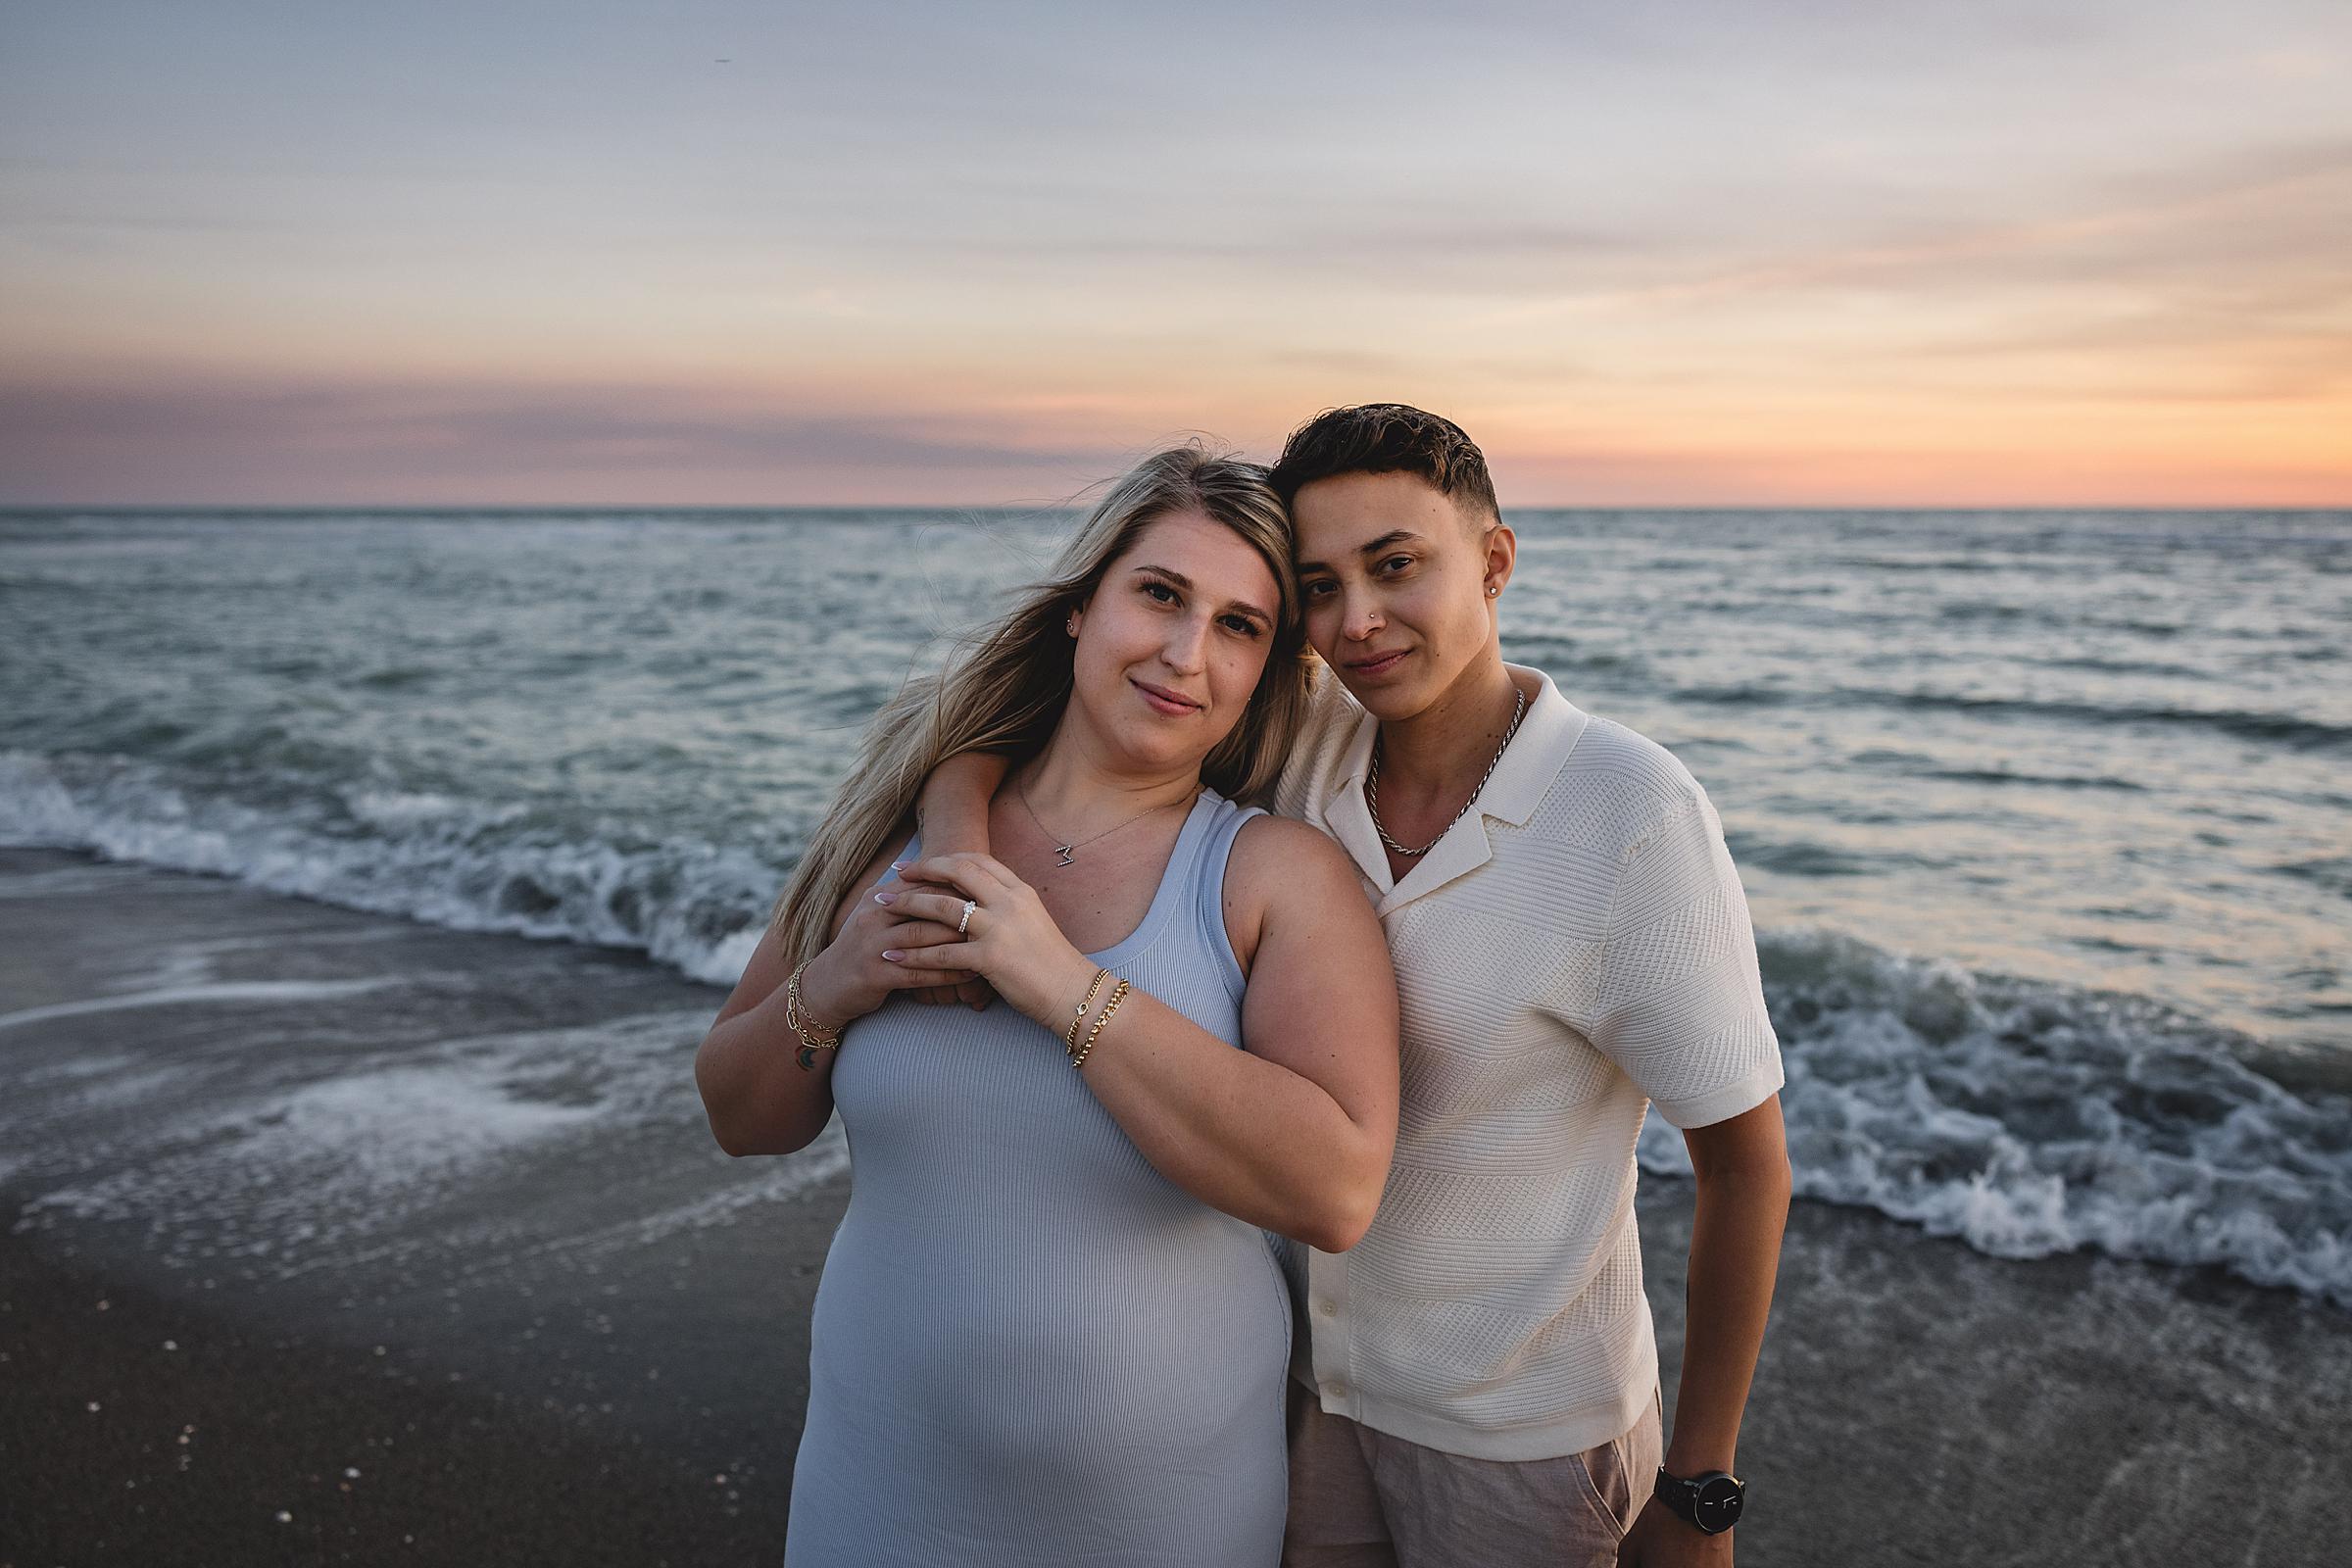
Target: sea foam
[2022,1117]
[2026,1118]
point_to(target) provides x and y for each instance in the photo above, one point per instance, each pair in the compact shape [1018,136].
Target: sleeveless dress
[1029,1348]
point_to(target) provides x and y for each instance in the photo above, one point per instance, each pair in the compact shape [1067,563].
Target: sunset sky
[1811,251]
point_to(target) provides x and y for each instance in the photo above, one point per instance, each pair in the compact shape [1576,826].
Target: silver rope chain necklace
[1372,784]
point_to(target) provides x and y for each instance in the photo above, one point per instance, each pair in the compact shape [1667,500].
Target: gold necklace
[1069,852]
[1372,784]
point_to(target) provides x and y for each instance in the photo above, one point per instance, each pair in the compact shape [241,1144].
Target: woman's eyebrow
[1178,579]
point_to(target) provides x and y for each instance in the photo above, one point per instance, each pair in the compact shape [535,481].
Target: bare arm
[1741,1167]
[952,811]
[758,1099]
[1294,1134]
[952,808]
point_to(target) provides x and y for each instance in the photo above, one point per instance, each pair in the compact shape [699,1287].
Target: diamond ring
[966,924]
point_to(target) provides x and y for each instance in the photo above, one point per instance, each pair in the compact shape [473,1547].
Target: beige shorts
[1361,1498]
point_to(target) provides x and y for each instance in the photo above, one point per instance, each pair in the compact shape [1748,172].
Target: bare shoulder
[1282,870]
[1275,851]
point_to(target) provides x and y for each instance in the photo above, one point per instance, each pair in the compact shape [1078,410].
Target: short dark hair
[1386,438]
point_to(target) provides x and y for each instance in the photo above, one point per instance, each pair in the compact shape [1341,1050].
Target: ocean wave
[2290,730]
[439,858]
[2332,872]
[1805,857]
[2028,1118]
[2023,1117]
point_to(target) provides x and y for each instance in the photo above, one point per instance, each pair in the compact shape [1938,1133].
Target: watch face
[1716,1507]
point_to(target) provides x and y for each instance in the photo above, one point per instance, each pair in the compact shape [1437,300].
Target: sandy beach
[335,1237]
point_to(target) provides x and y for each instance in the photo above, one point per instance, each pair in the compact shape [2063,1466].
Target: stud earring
[1492,590]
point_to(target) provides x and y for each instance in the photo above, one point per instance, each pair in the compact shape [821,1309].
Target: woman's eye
[1315,590]
[1158,589]
[1242,625]
[1398,561]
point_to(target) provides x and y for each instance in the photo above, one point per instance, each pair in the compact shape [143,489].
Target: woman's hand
[974,993]
[1010,941]
[851,978]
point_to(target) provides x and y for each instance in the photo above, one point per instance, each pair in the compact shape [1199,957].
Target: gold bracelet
[1118,994]
[814,1036]
[1069,1038]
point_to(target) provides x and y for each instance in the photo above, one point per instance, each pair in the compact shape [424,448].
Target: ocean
[2045,820]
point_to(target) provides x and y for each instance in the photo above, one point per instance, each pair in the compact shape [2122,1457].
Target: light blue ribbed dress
[1029,1348]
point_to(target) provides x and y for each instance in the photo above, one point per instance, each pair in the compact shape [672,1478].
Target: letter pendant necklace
[1069,852]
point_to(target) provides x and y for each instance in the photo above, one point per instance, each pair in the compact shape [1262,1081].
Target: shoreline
[556,1227]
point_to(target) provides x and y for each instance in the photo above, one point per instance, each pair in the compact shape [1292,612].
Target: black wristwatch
[1711,1501]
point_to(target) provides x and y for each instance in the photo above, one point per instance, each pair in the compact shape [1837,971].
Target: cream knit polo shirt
[1576,947]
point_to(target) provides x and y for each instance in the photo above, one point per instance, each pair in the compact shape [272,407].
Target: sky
[1816,252]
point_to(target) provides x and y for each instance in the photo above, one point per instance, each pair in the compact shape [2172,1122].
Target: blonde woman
[1051,1328]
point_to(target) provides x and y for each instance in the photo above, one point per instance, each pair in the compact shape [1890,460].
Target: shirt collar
[1548,733]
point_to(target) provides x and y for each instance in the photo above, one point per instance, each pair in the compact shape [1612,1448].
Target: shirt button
[1336,1388]
[1328,1308]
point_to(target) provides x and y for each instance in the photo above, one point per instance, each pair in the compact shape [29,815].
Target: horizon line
[508,509]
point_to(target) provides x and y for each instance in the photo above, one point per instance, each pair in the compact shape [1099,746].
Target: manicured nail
[894,954]
[884,897]
[900,865]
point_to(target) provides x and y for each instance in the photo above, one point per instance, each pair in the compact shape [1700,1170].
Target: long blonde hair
[1007,693]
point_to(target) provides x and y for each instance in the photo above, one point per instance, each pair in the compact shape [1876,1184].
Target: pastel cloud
[1828,251]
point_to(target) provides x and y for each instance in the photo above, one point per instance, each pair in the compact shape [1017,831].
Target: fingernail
[900,865]
[894,955]
[884,897]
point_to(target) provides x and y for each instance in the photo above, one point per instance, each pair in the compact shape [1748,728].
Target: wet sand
[143,1429]
[440,1208]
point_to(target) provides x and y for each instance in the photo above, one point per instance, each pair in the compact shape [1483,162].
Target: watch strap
[1681,1496]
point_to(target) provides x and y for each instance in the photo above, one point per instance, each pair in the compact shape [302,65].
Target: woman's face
[1393,580]
[1172,644]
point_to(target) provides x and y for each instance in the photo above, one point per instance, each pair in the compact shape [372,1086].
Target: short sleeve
[1332,716]
[1681,1002]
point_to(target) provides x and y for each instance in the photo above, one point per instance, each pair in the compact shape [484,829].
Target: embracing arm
[953,812]
[953,807]
[1294,1133]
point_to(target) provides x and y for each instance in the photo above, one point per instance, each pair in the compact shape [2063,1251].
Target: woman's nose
[1187,640]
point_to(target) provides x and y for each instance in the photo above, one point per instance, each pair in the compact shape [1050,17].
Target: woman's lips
[1377,666]
[1165,701]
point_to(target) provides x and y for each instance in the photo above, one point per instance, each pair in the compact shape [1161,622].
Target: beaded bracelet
[1069,1038]
[814,1036]
[1118,994]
